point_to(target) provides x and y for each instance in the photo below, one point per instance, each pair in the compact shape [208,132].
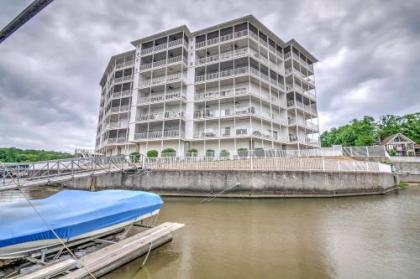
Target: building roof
[390,139]
[252,19]
[111,62]
[163,33]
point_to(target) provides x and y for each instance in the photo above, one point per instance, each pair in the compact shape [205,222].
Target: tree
[368,132]
[16,155]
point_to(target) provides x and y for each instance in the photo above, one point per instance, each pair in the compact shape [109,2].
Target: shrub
[243,152]
[392,152]
[224,153]
[168,152]
[192,152]
[135,157]
[152,153]
[403,185]
[209,153]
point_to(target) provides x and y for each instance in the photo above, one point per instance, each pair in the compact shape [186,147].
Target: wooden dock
[110,257]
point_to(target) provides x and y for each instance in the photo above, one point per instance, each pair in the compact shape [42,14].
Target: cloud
[50,68]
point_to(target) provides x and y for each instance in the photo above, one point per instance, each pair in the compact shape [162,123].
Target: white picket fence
[267,164]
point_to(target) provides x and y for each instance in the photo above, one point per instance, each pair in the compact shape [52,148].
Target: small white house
[402,145]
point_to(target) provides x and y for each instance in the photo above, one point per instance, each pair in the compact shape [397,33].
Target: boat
[72,215]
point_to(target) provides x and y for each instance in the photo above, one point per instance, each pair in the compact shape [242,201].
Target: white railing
[147,50]
[124,108]
[124,64]
[159,115]
[65,169]
[365,151]
[304,124]
[301,105]
[265,163]
[175,43]
[157,134]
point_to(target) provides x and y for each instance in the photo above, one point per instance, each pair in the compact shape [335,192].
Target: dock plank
[51,270]
[111,257]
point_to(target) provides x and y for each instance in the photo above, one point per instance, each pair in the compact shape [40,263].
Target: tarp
[72,213]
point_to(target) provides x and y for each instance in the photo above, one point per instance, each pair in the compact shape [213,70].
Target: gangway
[15,175]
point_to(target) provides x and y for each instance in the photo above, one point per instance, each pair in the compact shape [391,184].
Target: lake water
[358,237]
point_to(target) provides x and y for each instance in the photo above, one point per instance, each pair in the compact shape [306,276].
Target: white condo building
[235,85]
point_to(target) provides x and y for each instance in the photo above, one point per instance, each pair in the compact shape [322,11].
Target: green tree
[16,155]
[367,132]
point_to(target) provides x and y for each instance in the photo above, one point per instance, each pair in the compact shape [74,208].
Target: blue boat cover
[71,213]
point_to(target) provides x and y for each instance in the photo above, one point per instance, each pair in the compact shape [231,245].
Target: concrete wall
[409,171]
[244,183]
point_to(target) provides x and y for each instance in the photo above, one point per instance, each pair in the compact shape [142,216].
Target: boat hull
[85,229]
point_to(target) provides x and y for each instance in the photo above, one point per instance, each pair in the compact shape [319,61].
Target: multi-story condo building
[230,86]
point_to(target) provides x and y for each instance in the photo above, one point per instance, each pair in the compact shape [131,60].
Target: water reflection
[363,237]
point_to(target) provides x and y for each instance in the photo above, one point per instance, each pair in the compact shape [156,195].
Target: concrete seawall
[244,184]
[409,171]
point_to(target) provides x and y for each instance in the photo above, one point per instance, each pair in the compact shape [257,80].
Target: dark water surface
[358,237]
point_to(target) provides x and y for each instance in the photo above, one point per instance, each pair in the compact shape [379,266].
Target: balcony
[290,55]
[122,94]
[120,109]
[158,134]
[125,64]
[303,140]
[224,56]
[161,80]
[163,46]
[304,124]
[300,105]
[115,140]
[117,124]
[159,116]
[122,79]
[163,62]
[238,112]
[170,95]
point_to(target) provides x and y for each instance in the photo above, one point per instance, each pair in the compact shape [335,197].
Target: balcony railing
[157,134]
[163,62]
[124,64]
[121,79]
[289,55]
[162,46]
[308,108]
[160,115]
[117,125]
[116,140]
[160,98]
[125,93]
[162,79]
[304,124]
[119,109]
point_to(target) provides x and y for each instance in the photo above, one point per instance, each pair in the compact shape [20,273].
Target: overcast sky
[368,51]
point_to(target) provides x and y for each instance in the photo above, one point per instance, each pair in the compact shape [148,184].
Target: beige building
[400,144]
[235,85]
